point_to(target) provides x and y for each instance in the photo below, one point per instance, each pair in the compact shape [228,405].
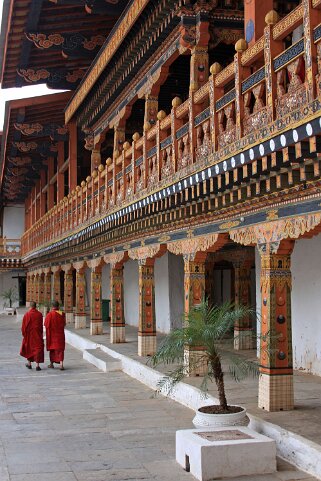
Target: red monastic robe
[32,331]
[55,334]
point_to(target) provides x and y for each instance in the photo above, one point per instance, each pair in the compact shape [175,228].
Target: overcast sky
[8,94]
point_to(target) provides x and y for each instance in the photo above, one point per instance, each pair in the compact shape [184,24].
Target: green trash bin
[105,309]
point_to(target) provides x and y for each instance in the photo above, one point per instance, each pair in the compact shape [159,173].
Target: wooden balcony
[266,91]
[10,253]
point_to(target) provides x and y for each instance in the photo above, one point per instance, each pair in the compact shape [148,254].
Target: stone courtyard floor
[86,425]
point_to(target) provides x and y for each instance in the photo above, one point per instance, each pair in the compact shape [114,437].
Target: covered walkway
[85,425]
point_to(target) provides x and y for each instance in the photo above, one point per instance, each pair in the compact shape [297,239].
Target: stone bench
[225,452]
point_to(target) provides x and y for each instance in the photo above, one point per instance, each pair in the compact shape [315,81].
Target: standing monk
[32,331]
[55,335]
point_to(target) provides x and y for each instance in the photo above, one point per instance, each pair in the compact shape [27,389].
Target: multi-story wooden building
[183,161]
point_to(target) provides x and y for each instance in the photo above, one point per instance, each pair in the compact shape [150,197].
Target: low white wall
[13,222]
[131,293]
[6,282]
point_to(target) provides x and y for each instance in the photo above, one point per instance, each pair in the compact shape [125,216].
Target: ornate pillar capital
[146,254]
[194,248]
[116,259]
[79,266]
[268,235]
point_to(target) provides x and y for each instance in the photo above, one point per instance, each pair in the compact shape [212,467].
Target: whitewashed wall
[105,277]
[176,290]
[169,292]
[306,303]
[131,292]
[13,222]
[162,309]
[6,282]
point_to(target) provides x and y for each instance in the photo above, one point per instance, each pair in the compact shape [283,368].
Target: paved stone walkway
[85,425]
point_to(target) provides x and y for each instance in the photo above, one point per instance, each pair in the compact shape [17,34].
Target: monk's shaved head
[33,304]
[55,304]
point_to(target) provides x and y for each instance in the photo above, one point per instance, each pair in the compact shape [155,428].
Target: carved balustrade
[292,91]
[262,85]
[10,248]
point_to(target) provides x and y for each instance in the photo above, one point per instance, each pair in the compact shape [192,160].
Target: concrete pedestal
[80,322]
[225,452]
[146,345]
[117,334]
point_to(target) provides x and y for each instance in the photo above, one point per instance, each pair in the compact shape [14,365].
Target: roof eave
[5,27]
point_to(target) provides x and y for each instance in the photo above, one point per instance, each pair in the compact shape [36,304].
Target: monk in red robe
[55,335]
[32,346]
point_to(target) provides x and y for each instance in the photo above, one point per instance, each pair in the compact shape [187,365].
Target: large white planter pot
[205,420]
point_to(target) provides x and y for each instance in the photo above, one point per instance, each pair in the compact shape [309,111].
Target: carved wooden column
[276,365]
[40,288]
[311,18]
[194,251]
[254,13]
[151,109]
[28,289]
[56,284]
[96,320]
[80,315]
[243,330]
[68,293]
[36,288]
[72,167]
[117,311]
[47,287]
[32,287]
[147,317]
[194,293]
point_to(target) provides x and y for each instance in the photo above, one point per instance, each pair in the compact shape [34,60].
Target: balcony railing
[10,248]
[272,88]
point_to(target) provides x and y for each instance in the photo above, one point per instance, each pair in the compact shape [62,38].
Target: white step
[103,361]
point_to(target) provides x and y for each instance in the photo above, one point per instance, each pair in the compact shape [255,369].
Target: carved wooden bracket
[116,258]
[268,236]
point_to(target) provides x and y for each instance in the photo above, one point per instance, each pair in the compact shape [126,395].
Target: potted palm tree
[207,326]
[9,296]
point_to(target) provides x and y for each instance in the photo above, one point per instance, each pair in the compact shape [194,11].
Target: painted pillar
[276,366]
[254,19]
[50,192]
[194,292]
[151,109]
[41,288]
[147,318]
[199,52]
[32,288]
[80,317]
[96,320]
[28,290]
[60,174]
[56,284]
[243,329]
[117,317]
[47,288]
[68,294]
[36,289]
[72,170]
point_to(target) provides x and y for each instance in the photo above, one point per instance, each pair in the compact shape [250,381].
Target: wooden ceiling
[53,41]
[31,130]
